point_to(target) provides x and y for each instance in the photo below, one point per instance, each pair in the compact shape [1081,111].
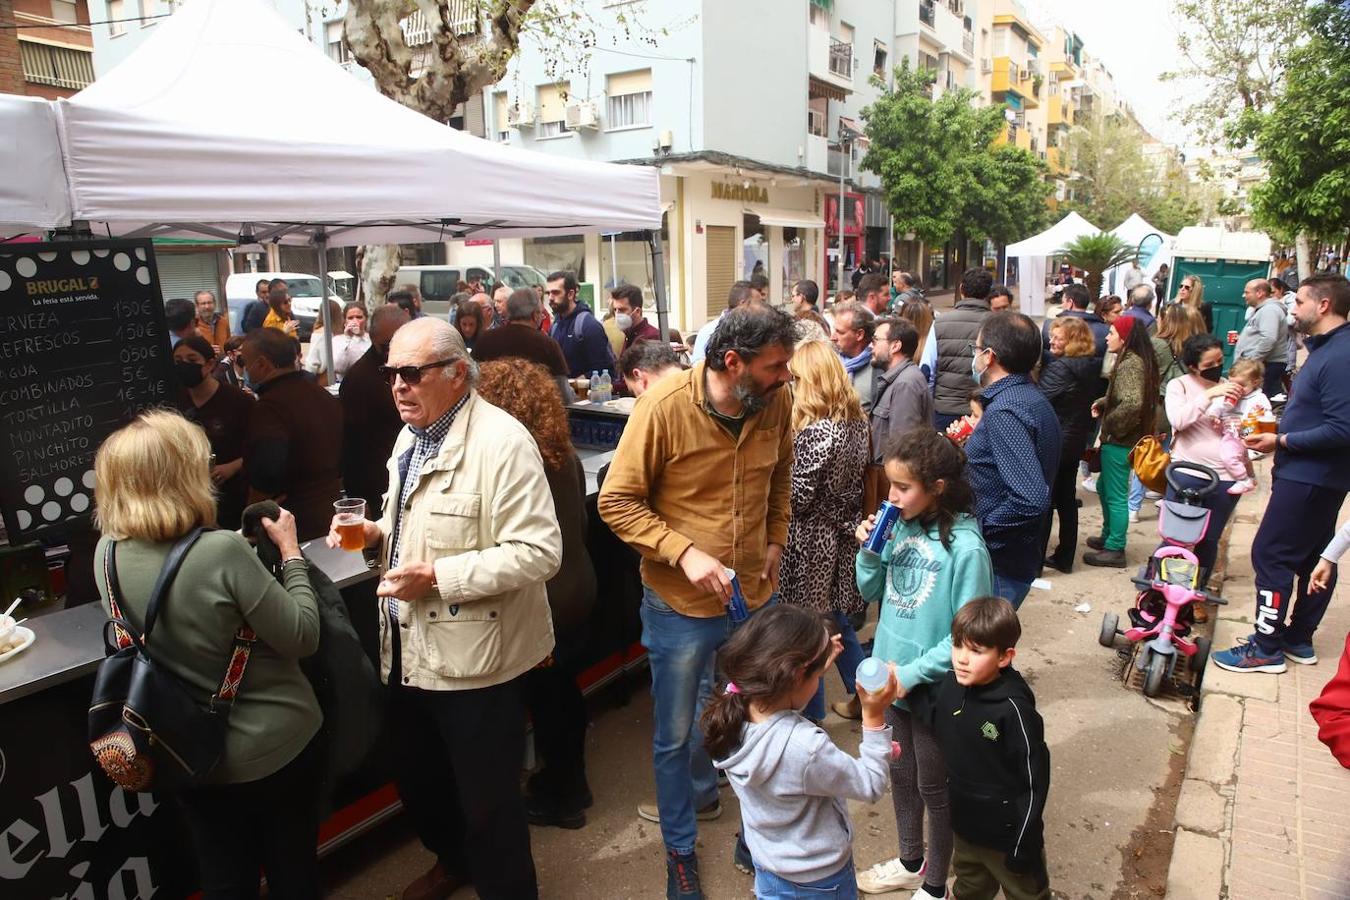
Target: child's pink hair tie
[732,689]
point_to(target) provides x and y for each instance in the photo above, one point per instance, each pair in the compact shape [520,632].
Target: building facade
[46,47]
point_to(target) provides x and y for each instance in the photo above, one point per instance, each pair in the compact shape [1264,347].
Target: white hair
[442,339]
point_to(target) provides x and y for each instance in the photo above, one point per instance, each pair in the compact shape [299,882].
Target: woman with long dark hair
[1128,412]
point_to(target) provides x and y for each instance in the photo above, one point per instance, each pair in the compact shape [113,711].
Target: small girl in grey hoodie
[791,780]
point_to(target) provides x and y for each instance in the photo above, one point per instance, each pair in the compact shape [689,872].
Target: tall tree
[939,168]
[1303,137]
[1236,51]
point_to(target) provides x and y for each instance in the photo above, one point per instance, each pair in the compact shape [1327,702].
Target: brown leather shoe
[434,884]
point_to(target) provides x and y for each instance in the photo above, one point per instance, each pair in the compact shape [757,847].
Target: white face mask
[623,320]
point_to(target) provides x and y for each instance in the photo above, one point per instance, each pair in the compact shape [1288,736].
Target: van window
[303,287]
[439,284]
[521,277]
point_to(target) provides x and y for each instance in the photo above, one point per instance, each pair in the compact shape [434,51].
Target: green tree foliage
[1236,51]
[1305,137]
[1095,254]
[940,170]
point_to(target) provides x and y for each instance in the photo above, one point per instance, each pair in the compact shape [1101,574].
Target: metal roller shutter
[184,274]
[721,250]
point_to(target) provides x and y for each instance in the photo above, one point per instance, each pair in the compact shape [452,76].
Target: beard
[753,397]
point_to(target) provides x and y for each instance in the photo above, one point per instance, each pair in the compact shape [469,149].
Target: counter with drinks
[66,830]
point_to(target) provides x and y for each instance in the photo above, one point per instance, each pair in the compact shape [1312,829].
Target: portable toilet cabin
[1224,261]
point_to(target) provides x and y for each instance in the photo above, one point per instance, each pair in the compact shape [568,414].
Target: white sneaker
[1152,495]
[922,894]
[1134,515]
[1090,484]
[890,875]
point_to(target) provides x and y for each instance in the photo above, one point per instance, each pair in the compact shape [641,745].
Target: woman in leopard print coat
[829,459]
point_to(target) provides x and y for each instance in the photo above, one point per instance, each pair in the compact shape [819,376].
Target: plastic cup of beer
[351,522]
[1267,425]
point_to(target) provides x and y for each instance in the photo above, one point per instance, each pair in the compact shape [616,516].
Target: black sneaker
[682,877]
[741,857]
[547,811]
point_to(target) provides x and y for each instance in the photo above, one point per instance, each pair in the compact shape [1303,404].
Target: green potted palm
[1095,254]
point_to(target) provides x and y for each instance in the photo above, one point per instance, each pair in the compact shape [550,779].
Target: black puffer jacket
[1071,383]
[954,331]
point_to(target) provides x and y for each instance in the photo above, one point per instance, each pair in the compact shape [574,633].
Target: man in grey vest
[955,331]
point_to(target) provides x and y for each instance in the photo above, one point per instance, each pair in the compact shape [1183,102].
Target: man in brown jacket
[700,485]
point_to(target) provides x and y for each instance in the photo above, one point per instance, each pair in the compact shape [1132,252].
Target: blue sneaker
[1303,654]
[1248,658]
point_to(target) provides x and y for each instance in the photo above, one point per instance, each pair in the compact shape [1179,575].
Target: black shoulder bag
[145,729]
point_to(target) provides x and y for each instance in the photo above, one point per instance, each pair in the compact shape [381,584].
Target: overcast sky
[1137,42]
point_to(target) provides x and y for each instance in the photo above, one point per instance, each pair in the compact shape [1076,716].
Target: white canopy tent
[1031,258]
[33,193]
[1132,231]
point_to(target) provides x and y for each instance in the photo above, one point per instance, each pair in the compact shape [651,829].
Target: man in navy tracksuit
[575,328]
[1310,481]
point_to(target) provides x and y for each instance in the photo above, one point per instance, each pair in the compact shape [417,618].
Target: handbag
[1149,461]
[145,730]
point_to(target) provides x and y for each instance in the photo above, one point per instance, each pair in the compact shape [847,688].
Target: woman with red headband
[1128,412]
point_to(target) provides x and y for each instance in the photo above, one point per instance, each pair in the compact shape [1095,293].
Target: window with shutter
[720,243]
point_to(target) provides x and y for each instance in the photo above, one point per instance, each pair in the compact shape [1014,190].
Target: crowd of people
[749,507]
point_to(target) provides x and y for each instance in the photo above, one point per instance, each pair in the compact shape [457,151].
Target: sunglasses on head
[411,375]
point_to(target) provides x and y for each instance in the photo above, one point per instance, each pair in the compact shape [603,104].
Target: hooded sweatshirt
[792,782]
[998,766]
[921,584]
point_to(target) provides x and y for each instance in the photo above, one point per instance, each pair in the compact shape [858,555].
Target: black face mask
[1213,373]
[189,374]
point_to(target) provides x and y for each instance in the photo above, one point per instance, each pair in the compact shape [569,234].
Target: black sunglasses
[411,375]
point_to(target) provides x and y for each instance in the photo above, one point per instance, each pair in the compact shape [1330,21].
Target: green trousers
[980,873]
[1113,487]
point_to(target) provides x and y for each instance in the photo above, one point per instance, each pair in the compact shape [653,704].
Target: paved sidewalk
[1264,809]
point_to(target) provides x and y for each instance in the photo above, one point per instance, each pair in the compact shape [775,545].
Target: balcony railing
[927,13]
[841,58]
[462,15]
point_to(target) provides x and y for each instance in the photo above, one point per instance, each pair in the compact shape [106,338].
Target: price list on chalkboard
[83,348]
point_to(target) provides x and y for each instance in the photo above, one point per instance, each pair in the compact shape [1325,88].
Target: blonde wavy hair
[153,479]
[820,387]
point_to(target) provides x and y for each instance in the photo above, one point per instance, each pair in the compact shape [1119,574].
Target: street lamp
[846,138]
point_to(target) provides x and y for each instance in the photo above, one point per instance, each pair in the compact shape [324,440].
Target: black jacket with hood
[998,766]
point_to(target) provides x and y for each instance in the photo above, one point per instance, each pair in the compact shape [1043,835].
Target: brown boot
[848,709]
[434,884]
[1200,613]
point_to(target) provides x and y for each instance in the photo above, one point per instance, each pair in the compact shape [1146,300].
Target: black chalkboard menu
[83,347]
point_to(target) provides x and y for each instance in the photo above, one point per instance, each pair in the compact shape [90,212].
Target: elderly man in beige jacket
[467,538]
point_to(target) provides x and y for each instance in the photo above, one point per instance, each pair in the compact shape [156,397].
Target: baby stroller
[1169,586]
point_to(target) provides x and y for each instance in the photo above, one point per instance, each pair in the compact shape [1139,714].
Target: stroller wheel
[1201,655]
[1110,622]
[1154,670]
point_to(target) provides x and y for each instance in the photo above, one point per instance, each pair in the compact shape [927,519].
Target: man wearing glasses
[467,539]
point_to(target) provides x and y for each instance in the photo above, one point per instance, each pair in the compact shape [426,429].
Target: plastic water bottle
[594,391]
[873,674]
[606,387]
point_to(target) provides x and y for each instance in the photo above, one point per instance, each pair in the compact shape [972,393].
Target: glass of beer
[1267,425]
[351,522]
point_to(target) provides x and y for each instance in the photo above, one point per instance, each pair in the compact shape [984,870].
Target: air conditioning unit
[986,66]
[520,114]
[582,115]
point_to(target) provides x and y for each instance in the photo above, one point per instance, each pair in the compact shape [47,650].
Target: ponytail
[763,661]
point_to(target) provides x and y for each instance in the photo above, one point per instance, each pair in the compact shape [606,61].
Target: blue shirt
[1316,423]
[1013,456]
[701,340]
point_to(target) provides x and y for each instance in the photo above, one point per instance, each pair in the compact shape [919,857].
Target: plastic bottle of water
[606,387]
[873,674]
[594,391]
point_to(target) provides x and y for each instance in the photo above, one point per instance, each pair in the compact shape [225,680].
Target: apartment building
[46,48]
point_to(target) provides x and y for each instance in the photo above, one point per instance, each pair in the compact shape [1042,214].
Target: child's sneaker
[1248,658]
[1244,486]
[888,876]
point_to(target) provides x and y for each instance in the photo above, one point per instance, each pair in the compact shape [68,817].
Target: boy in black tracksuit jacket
[998,766]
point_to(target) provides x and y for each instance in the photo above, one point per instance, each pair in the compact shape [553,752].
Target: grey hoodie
[793,782]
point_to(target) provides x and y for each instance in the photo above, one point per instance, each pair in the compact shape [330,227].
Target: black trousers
[1273,382]
[270,824]
[459,779]
[558,711]
[1064,504]
[1299,522]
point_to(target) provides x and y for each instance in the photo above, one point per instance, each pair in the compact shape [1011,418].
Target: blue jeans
[842,884]
[1136,501]
[1011,589]
[847,664]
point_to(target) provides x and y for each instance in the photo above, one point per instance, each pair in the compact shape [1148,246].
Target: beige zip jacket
[483,515]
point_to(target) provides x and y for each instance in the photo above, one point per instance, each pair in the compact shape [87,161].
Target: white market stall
[1032,254]
[1135,231]
[164,146]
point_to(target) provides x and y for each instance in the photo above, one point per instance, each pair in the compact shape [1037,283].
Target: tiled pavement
[1265,809]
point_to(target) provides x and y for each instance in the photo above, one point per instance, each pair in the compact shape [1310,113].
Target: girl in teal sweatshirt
[934,563]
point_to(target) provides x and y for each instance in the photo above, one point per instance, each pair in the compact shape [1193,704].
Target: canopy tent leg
[496,263]
[321,248]
[659,284]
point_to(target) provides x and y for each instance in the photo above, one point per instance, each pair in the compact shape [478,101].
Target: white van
[304,291]
[438,284]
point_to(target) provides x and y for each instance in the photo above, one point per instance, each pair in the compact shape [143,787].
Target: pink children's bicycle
[1169,587]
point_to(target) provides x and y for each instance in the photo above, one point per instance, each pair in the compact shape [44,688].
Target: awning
[816,88]
[786,218]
